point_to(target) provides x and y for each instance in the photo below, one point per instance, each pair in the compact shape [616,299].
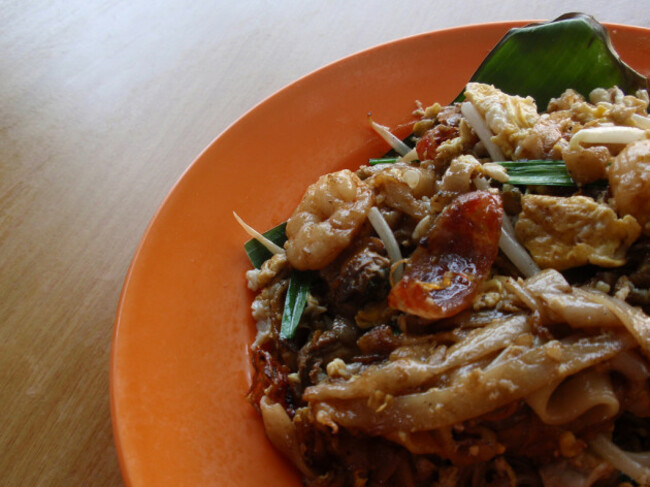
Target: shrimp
[331,212]
[629,178]
[443,275]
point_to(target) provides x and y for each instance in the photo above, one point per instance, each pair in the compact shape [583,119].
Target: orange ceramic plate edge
[179,364]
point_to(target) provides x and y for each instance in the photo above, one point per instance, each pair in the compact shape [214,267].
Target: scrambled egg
[569,232]
[511,117]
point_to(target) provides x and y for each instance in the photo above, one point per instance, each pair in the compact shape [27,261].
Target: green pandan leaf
[543,60]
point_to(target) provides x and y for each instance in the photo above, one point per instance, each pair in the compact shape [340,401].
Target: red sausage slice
[443,274]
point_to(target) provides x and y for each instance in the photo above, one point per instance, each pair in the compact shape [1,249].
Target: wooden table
[102,106]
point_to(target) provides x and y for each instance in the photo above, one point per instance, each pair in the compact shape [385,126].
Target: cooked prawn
[331,212]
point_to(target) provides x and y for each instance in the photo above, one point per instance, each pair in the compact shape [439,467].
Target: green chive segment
[299,281]
[257,253]
[383,160]
[294,303]
[537,173]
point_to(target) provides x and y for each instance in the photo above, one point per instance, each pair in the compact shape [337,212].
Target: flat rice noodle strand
[477,392]
[281,431]
[406,374]
[633,319]
[588,392]
[626,462]
[581,308]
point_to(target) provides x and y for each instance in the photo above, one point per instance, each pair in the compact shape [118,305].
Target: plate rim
[140,248]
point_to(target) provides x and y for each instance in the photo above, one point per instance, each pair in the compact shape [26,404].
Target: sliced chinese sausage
[443,274]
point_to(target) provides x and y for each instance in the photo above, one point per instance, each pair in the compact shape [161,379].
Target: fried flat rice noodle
[477,392]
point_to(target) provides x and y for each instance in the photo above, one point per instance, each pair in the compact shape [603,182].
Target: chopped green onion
[294,303]
[383,160]
[299,281]
[257,253]
[537,173]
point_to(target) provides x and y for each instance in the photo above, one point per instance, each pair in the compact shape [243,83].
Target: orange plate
[180,365]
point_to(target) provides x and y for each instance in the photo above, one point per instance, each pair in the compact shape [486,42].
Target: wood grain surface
[103,105]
